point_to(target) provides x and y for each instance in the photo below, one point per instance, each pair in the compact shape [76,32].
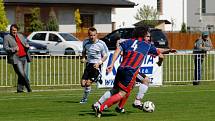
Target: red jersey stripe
[132,59]
[125,59]
[138,61]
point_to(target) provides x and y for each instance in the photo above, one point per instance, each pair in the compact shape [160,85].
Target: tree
[78,20]
[3,18]
[183,28]
[35,22]
[148,15]
[52,24]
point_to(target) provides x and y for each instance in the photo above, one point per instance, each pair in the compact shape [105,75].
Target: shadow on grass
[66,101]
[106,113]
[103,114]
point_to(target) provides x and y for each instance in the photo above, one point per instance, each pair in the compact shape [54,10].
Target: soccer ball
[148,106]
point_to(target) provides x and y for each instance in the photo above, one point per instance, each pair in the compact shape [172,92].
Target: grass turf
[173,103]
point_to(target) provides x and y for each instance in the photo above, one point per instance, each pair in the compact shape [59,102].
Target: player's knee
[83,83]
[88,83]
[145,81]
[122,93]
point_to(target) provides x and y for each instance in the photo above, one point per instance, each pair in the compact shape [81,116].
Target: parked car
[57,42]
[158,37]
[2,52]
[35,48]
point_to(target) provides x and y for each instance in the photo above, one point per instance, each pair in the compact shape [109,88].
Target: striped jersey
[134,51]
[95,51]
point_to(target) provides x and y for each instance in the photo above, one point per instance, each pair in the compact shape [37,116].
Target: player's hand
[159,63]
[83,60]
[173,50]
[109,69]
[27,46]
[96,66]
[17,48]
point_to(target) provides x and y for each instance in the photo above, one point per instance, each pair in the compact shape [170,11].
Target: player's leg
[109,93]
[87,90]
[89,76]
[125,84]
[85,84]
[109,102]
[143,88]
[104,97]
[120,107]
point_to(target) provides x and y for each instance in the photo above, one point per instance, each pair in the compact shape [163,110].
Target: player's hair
[92,29]
[140,31]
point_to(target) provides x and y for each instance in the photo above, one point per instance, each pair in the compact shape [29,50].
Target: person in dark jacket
[17,47]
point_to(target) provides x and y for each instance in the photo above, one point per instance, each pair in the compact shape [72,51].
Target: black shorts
[91,73]
[140,77]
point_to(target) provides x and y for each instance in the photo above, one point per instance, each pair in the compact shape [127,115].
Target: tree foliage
[3,18]
[35,22]
[148,14]
[183,28]
[78,20]
[52,24]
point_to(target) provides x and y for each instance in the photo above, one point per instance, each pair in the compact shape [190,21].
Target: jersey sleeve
[104,48]
[153,50]
[124,44]
[84,45]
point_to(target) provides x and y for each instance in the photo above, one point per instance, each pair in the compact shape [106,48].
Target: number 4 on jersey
[134,45]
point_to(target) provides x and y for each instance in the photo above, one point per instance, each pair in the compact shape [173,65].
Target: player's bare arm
[166,51]
[115,55]
[83,57]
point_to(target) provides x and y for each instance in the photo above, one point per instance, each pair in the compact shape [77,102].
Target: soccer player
[134,52]
[96,52]
[144,81]
[141,78]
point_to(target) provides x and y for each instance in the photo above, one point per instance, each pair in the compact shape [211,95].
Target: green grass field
[173,103]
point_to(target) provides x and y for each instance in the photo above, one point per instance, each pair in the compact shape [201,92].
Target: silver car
[58,43]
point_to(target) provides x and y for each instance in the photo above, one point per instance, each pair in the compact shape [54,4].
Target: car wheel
[69,51]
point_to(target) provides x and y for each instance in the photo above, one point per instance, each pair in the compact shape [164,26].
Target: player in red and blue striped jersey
[134,51]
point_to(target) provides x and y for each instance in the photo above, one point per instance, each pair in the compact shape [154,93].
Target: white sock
[142,90]
[86,92]
[104,97]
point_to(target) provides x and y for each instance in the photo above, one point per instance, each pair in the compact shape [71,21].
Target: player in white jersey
[96,53]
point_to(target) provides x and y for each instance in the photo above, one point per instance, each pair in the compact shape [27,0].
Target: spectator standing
[201,46]
[96,52]
[17,48]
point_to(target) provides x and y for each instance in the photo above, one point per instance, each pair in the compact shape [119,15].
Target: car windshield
[157,35]
[1,40]
[68,37]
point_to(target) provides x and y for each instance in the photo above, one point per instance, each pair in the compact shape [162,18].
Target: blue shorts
[125,78]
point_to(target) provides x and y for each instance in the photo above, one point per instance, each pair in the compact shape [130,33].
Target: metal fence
[46,70]
[180,68]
